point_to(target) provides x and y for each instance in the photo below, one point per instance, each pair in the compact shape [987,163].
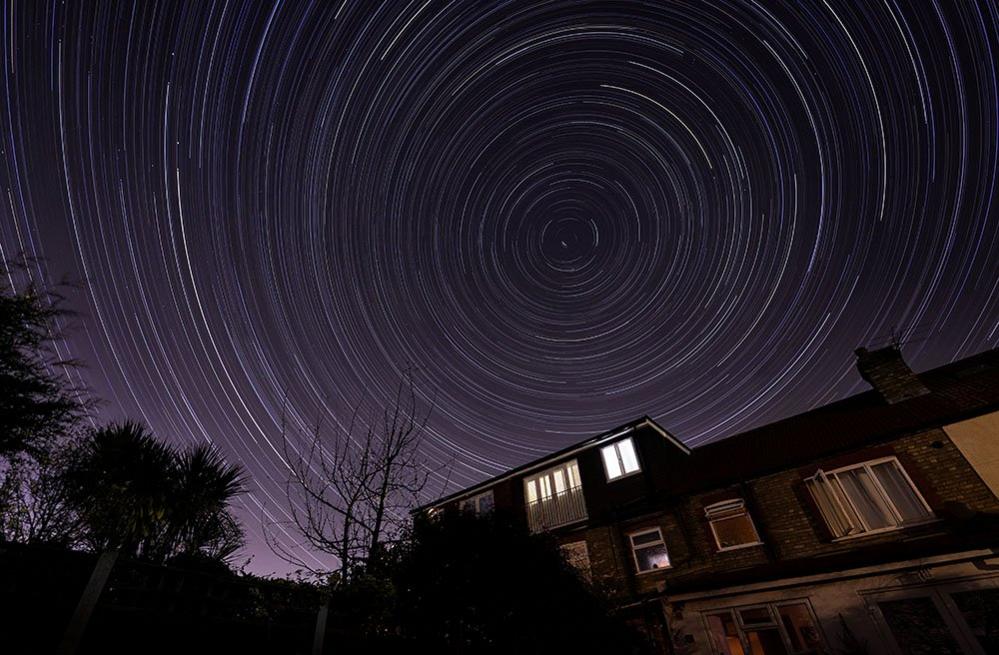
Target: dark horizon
[564,215]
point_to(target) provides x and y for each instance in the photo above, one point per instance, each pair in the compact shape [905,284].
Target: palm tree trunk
[88,601]
[321,620]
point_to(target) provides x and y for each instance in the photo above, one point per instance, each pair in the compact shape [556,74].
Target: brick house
[870,523]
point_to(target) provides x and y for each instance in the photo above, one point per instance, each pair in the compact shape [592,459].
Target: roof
[959,390]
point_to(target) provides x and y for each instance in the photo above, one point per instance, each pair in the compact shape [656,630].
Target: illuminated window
[554,497]
[874,496]
[620,459]
[480,505]
[649,550]
[774,628]
[731,524]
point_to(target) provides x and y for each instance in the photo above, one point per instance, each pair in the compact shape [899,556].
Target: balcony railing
[551,512]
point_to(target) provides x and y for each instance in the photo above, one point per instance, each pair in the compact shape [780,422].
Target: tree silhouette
[350,492]
[137,496]
[459,583]
[145,499]
[39,402]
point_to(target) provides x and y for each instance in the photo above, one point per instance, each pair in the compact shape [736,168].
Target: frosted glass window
[611,463]
[620,459]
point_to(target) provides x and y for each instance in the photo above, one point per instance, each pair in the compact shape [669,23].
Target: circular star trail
[563,214]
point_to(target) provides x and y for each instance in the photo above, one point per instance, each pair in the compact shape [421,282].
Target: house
[867,525]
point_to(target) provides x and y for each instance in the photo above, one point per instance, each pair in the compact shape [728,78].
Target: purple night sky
[565,214]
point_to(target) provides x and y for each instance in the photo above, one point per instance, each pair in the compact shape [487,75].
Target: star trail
[563,214]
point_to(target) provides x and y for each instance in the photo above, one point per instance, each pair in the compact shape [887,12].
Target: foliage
[38,400]
[138,495]
[462,584]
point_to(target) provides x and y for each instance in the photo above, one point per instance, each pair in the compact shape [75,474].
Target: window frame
[773,608]
[620,460]
[543,485]
[475,501]
[634,554]
[718,506]
[839,495]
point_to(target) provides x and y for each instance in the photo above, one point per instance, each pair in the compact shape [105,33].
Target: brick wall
[787,522]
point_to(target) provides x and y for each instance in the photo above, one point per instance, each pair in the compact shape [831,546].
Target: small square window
[620,459]
[649,550]
[731,524]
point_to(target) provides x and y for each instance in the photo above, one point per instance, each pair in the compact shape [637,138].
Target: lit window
[649,550]
[775,628]
[480,505]
[731,524]
[620,459]
[554,497]
[871,497]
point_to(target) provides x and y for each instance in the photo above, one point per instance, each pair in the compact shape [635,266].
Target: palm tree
[200,523]
[139,497]
[120,479]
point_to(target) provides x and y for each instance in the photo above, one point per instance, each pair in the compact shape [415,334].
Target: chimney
[888,373]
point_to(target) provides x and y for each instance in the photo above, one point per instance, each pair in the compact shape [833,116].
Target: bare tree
[34,504]
[350,493]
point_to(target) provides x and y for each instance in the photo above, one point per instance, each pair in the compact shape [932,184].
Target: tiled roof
[959,390]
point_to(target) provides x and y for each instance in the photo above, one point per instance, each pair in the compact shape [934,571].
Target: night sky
[564,214]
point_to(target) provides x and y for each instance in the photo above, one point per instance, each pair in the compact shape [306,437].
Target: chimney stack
[888,373]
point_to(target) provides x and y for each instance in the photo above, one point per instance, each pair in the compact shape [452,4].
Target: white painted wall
[978,441]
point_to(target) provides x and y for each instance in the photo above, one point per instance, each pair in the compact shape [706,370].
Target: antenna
[898,337]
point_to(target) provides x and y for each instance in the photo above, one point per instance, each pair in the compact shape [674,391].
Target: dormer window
[731,524]
[620,459]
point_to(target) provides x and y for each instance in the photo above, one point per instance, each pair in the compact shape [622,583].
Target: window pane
[822,493]
[800,628]
[755,616]
[486,503]
[909,507]
[628,457]
[980,609]
[651,557]
[559,481]
[573,470]
[532,492]
[725,635]
[652,537]
[734,531]
[866,498]
[765,642]
[611,463]
[918,627]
